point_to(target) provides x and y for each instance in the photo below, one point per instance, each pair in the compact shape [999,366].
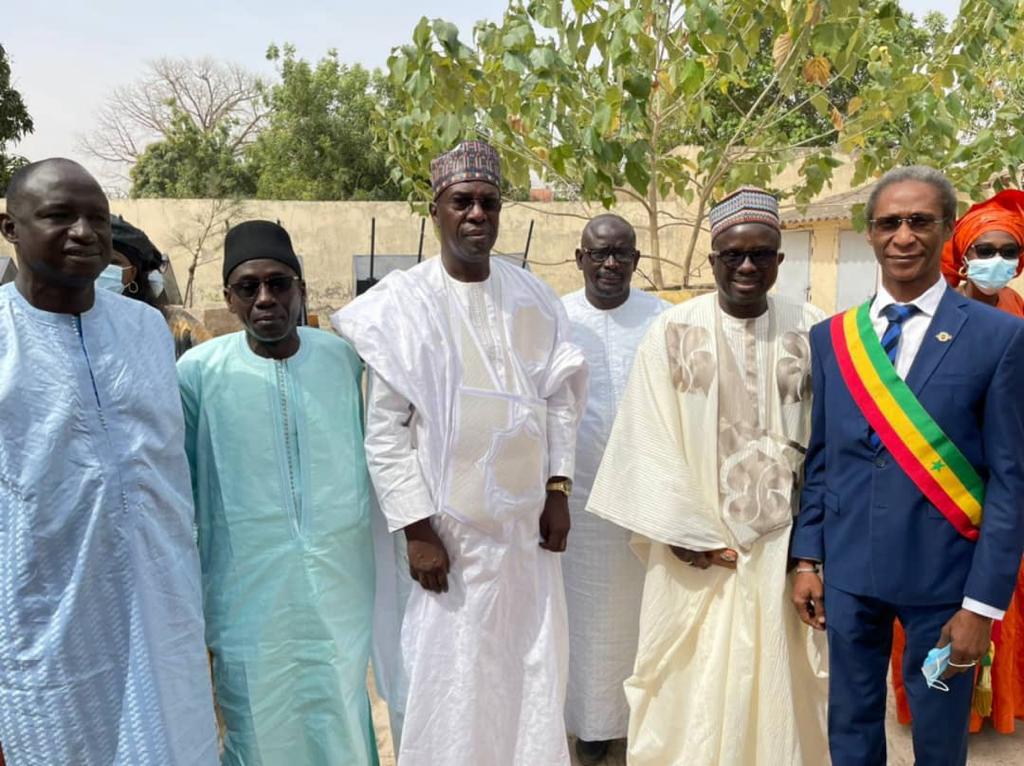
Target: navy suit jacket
[862,516]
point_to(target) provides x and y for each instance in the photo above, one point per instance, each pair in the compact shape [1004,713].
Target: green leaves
[15,121]
[603,97]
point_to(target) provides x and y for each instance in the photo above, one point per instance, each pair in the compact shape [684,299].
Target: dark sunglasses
[1009,252]
[463,202]
[890,224]
[248,289]
[761,258]
[602,254]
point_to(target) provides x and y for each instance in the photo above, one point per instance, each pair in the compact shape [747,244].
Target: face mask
[935,664]
[156,282]
[990,275]
[111,278]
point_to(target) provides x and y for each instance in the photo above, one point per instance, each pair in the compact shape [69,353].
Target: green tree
[15,122]
[212,94]
[191,163]
[961,110]
[318,141]
[598,96]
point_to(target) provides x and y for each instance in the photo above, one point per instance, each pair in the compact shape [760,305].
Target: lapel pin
[943,337]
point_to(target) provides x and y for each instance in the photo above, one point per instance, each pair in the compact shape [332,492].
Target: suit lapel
[941,334]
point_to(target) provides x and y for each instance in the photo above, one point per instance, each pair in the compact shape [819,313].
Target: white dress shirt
[915,327]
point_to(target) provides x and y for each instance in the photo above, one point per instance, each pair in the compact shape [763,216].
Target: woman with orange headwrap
[984,254]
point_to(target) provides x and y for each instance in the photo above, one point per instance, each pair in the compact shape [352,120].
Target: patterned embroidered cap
[746,205]
[469,161]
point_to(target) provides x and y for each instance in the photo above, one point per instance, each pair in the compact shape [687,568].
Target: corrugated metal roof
[838,207]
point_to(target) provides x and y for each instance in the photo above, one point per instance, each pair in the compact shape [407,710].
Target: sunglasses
[890,224]
[1009,252]
[600,255]
[761,258]
[463,202]
[248,289]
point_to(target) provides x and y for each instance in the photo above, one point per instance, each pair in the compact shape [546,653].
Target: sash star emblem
[943,337]
[938,465]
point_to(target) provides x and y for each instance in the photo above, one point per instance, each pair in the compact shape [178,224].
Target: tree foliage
[961,109]
[214,97]
[317,144]
[206,129]
[191,162]
[15,122]
[598,96]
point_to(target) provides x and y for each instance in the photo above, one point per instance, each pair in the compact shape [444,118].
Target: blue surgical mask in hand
[111,278]
[990,275]
[935,664]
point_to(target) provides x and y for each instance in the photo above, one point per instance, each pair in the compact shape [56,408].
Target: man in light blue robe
[275,440]
[101,626]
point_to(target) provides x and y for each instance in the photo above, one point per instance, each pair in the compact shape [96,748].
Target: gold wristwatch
[560,485]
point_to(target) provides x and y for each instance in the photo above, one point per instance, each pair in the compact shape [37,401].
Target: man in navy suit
[886,549]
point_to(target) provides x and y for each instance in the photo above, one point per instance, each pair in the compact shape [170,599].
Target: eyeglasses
[1009,252]
[248,289]
[463,202]
[890,224]
[600,255]
[761,258]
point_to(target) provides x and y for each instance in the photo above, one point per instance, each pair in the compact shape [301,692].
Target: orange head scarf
[1003,212]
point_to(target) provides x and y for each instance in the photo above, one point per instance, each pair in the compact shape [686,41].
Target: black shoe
[591,753]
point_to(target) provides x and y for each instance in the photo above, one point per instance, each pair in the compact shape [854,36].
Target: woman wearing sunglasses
[983,255]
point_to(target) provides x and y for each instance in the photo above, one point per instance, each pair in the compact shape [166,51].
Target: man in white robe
[101,628]
[703,464]
[273,425]
[475,395]
[603,578]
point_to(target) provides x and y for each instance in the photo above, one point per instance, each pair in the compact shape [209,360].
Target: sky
[66,55]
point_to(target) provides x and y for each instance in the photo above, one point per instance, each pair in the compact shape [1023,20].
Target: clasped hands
[428,560]
[723,557]
[968,632]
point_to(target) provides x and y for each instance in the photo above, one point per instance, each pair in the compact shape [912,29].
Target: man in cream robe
[603,579]
[703,464]
[475,395]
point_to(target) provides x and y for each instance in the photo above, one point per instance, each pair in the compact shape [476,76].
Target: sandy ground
[986,748]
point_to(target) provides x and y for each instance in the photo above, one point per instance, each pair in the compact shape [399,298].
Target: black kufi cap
[252,240]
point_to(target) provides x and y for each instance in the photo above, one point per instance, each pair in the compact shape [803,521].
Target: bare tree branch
[209,92]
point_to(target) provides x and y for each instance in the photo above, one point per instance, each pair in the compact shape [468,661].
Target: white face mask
[990,275]
[156,282]
[111,278]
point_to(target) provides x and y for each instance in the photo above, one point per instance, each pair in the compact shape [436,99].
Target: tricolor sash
[917,443]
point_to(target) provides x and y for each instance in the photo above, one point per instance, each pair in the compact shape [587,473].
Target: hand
[809,596]
[723,557]
[554,522]
[970,635]
[428,560]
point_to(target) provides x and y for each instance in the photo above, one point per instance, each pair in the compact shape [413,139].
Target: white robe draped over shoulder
[476,392]
[102,660]
[706,453]
[603,578]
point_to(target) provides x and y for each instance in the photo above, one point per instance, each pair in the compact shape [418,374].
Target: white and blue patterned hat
[746,205]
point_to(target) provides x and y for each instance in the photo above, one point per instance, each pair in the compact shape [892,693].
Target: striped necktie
[897,314]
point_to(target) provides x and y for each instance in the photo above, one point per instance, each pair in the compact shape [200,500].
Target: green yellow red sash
[911,435]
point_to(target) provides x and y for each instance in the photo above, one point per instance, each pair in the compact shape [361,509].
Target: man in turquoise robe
[275,441]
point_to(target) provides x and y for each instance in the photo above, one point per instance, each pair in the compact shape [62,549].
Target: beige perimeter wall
[328,234]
